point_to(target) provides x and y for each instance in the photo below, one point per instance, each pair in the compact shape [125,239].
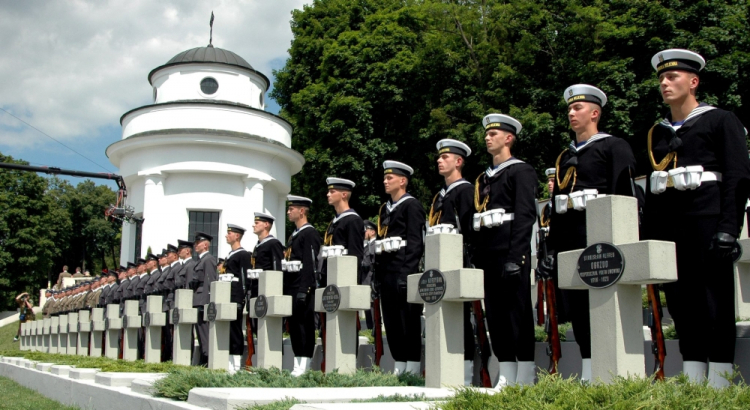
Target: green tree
[370,80]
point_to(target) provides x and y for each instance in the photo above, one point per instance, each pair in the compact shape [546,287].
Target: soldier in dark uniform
[204,272]
[166,286]
[267,254]
[696,196]
[185,252]
[299,281]
[454,205]
[401,221]
[505,205]
[595,163]
[150,270]
[346,229]
[236,264]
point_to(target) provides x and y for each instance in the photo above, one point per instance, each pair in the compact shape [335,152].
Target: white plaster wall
[220,117]
[182,82]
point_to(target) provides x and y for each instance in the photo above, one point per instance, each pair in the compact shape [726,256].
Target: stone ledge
[44,367]
[230,398]
[83,374]
[124,379]
[60,370]
[144,386]
[87,395]
[743,330]
[418,405]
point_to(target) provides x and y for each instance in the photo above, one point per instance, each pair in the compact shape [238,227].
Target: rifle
[554,349]
[482,343]
[377,326]
[322,316]
[658,346]
[249,326]
[539,302]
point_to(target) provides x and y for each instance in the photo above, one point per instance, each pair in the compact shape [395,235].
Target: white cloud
[72,68]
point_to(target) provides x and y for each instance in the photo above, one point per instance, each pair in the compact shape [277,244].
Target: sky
[71,68]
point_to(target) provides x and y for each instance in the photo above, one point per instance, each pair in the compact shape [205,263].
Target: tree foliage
[369,80]
[46,223]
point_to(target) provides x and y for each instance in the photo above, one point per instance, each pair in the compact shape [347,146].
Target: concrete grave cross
[62,335]
[270,307]
[84,328]
[113,326]
[340,301]
[72,332]
[444,287]
[183,317]
[23,336]
[153,321]
[31,335]
[218,314]
[615,304]
[54,333]
[742,277]
[97,329]
[46,325]
[131,323]
[40,335]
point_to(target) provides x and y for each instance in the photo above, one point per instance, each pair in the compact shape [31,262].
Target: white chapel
[204,154]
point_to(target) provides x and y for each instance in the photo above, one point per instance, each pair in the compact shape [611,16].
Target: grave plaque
[601,265]
[211,312]
[175,317]
[432,286]
[331,298]
[261,306]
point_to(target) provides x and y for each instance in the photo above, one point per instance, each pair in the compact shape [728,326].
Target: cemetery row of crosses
[596,260]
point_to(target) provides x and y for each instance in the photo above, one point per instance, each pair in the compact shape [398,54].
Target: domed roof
[209,54]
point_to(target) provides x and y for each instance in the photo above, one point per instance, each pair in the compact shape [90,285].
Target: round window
[209,85]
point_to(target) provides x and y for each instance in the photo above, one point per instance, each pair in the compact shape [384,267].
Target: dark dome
[209,55]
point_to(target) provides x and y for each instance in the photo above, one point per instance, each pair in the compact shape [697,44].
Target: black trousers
[302,325]
[469,347]
[236,338]
[403,325]
[201,328]
[167,338]
[510,317]
[701,302]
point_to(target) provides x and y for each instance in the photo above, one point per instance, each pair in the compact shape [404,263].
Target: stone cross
[340,301]
[46,342]
[444,343]
[40,335]
[54,337]
[84,328]
[183,317]
[131,322]
[272,306]
[154,320]
[24,336]
[742,277]
[97,329]
[113,326]
[616,310]
[72,332]
[62,335]
[218,314]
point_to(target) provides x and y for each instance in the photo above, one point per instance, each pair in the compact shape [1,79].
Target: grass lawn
[7,333]
[17,397]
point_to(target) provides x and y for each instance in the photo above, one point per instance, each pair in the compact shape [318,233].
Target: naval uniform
[348,230]
[203,273]
[604,163]
[454,205]
[701,302]
[303,245]
[406,219]
[236,265]
[267,255]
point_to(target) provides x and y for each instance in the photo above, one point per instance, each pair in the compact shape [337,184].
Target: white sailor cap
[398,168]
[260,216]
[502,122]
[585,92]
[295,200]
[236,228]
[340,183]
[550,172]
[453,147]
[677,59]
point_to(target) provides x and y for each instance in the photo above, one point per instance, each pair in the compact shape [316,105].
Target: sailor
[595,163]
[401,221]
[346,231]
[267,255]
[203,273]
[695,197]
[453,207]
[300,259]
[236,264]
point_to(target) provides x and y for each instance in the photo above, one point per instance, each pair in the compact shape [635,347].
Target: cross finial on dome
[211,31]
